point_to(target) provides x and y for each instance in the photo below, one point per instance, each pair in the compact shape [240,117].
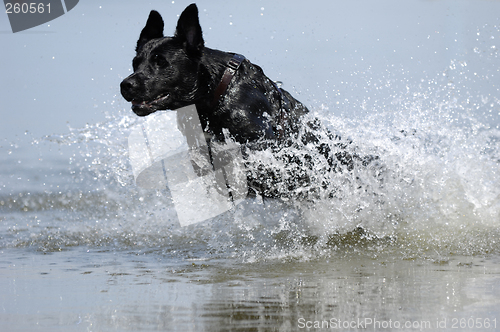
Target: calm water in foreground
[102,290]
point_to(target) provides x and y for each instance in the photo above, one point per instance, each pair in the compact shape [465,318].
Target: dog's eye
[160,60]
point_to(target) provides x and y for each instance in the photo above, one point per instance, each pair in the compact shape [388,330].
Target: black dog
[173,72]
[229,92]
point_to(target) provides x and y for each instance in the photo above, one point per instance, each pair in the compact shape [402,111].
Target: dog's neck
[231,68]
[213,64]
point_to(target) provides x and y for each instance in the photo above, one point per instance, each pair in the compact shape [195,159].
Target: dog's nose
[127,89]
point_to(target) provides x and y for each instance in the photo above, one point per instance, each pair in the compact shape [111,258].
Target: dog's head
[165,68]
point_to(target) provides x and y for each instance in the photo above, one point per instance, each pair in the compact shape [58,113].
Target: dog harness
[232,67]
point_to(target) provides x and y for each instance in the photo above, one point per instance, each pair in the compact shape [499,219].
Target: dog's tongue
[136,103]
[149,103]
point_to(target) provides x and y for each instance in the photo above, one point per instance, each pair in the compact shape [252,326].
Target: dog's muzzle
[129,88]
[133,92]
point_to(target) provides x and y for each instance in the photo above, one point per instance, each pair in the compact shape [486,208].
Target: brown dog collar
[231,68]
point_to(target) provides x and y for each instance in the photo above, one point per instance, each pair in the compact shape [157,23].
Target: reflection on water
[88,290]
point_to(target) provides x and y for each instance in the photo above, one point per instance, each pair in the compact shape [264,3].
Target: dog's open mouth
[148,107]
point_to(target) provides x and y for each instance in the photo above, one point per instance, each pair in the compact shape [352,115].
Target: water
[83,248]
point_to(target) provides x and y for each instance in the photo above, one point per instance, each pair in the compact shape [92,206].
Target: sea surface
[414,248]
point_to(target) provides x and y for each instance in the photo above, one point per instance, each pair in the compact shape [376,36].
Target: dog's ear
[188,30]
[152,30]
